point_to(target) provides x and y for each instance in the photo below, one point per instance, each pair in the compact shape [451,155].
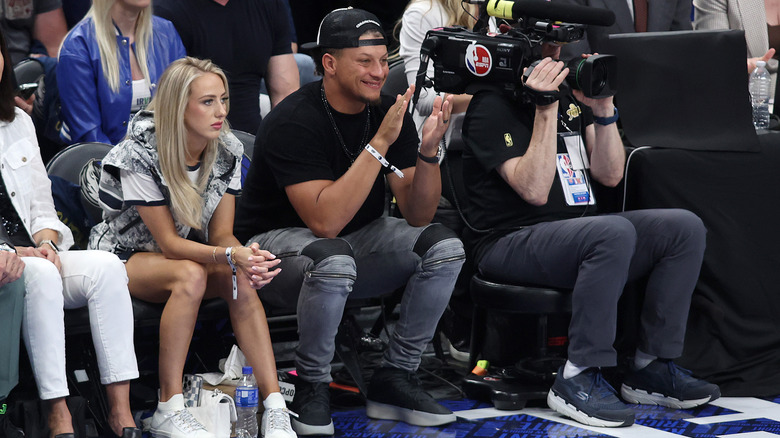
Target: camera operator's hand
[603,107]
[391,125]
[547,76]
[435,125]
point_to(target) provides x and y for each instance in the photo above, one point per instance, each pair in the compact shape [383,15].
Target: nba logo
[478,59]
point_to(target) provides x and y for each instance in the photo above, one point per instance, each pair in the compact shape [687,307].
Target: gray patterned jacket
[122,228]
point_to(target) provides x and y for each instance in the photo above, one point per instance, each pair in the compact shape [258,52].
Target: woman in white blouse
[57,279]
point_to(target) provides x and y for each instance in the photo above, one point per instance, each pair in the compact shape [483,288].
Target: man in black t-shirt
[314,196]
[529,172]
[249,39]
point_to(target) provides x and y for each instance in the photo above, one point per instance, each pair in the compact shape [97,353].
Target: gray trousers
[319,275]
[11,311]
[595,256]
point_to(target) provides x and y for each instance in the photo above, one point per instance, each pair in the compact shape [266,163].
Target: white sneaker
[276,418]
[173,420]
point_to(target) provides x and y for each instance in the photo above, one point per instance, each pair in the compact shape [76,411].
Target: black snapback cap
[342,28]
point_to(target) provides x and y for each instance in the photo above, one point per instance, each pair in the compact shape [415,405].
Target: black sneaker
[589,399]
[665,384]
[395,394]
[312,404]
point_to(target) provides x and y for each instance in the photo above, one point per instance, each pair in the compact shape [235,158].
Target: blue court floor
[732,417]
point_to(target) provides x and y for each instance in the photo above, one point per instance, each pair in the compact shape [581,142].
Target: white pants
[96,279]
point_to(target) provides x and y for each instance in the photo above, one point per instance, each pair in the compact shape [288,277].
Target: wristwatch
[7,247]
[434,159]
[51,244]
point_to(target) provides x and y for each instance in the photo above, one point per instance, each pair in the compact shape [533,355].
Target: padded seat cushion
[519,299]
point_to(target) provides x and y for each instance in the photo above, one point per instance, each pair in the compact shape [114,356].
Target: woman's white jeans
[96,279]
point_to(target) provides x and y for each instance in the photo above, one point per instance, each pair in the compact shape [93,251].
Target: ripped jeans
[319,275]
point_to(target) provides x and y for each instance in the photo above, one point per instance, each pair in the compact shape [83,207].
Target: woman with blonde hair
[168,197]
[108,69]
[419,17]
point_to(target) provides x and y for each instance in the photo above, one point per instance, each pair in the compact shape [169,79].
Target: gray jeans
[595,256]
[319,275]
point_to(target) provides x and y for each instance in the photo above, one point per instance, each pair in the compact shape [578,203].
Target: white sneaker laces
[279,419]
[184,421]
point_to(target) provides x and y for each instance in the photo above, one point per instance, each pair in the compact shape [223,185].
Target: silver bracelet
[382,160]
[51,244]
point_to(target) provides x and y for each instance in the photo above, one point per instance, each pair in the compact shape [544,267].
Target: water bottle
[247,397]
[760,83]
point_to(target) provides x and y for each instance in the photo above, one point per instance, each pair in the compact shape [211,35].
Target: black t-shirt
[496,129]
[297,143]
[239,37]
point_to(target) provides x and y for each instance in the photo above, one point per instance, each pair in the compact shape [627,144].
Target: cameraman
[529,170]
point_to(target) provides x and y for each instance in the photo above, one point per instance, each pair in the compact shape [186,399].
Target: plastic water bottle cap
[760,63]
[246,370]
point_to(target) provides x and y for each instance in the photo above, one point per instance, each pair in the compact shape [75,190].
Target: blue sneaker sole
[558,404]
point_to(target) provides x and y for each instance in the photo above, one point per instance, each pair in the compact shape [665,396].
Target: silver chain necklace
[351,155]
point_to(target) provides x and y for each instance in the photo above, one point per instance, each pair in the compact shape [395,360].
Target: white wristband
[228,252]
[382,160]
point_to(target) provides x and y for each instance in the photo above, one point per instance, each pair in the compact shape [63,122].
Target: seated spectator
[56,279]
[168,197]
[530,171]
[630,16]
[249,40]
[420,17]
[316,191]
[760,19]
[109,66]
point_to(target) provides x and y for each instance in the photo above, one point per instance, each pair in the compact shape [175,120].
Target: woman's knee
[189,281]
[42,280]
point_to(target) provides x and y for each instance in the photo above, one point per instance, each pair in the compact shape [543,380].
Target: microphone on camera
[512,10]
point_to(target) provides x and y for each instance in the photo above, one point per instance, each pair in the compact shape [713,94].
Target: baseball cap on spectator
[342,28]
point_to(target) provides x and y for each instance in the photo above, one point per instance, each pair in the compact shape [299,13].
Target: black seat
[71,162]
[248,141]
[27,72]
[396,80]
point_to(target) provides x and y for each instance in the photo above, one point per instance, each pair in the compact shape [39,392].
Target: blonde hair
[456,16]
[169,106]
[105,34]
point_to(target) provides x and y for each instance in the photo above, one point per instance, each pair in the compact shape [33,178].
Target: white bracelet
[228,252]
[382,160]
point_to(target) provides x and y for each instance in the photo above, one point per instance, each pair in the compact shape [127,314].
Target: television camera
[466,61]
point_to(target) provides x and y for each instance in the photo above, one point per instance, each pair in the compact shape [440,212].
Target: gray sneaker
[589,399]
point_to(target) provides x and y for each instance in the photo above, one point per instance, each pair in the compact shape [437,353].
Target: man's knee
[332,257]
[438,244]
[688,226]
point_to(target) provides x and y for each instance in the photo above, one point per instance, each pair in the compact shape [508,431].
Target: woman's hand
[258,265]
[44,253]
